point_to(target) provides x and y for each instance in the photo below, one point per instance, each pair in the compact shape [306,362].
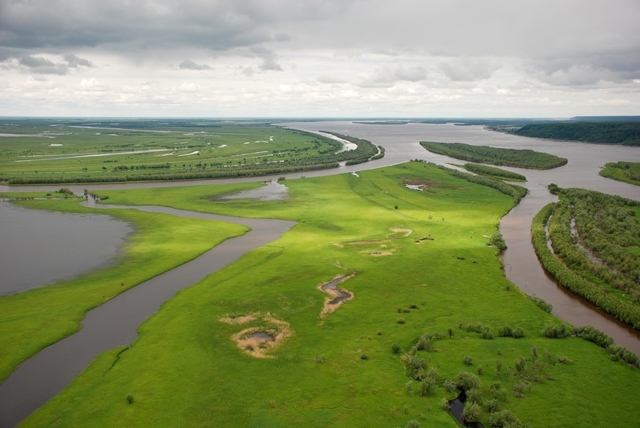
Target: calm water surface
[39,247]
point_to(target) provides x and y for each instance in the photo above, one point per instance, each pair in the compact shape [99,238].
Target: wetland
[271,284]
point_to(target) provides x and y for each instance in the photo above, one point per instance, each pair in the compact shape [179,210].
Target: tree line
[625,133]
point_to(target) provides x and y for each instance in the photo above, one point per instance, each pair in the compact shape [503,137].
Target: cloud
[387,76]
[189,87]
[190,65]
[468,69]
[75,61]
[42,65]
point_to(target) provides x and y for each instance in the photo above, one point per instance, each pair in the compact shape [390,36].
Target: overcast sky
[328,58]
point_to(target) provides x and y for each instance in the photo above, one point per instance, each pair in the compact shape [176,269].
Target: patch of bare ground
[259,342]
[337,296]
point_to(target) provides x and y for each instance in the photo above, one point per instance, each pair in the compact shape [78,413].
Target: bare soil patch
[337,296]
[259,342]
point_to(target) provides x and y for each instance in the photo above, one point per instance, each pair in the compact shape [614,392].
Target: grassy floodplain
[422,266]
[66,151]
[629,172]
[34,319]
[496,156]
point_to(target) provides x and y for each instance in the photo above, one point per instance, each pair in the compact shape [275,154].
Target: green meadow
[629,172]
[430,301]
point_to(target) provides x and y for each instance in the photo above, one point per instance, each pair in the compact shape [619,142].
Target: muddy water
[115,323]
[31,253]
[342,294]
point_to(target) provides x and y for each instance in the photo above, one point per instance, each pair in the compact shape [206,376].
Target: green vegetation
[626,133]
[494,172]
[629,172]
[594,238]
[495,156]
[34,319]
[513,190]
[451,306]
[67,151]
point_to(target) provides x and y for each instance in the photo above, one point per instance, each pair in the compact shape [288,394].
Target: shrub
[487,333]
[364,356]
[396,348]
[474,395]
[400,321]
[504,419]
[130,399]
[518,333]
[444,404]
[542,304]
[427,386]
[556,331]
[520,364]
[492,405]
[505,331]
[471,411]
[466,381]
[467,360]
[450,386]
[480,370]
[412,424]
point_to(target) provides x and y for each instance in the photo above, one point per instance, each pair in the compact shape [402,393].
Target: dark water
[115,323]
[39,247]
[342,294]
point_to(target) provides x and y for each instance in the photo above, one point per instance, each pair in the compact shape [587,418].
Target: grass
[184,368]
[32,320]
[628,172]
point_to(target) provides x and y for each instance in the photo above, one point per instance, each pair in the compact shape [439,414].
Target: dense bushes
[616,305]
[496,156]
[494,172]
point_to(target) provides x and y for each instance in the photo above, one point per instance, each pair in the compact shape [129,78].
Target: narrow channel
[115,323]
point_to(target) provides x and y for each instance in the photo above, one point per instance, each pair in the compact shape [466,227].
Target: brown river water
[115,323]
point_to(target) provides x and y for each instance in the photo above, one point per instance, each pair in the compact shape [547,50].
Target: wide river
[401,143]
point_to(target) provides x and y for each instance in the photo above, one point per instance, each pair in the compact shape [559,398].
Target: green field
[429,293]
[496,156]
[629,172]
[65,151]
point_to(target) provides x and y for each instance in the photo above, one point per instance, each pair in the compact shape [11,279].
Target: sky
[320,58]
